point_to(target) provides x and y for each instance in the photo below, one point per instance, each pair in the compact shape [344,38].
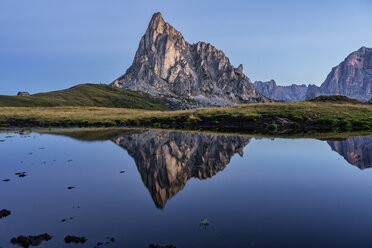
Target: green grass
[98,95]
[278,117]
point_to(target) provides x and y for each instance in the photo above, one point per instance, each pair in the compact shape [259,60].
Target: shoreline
[267,118]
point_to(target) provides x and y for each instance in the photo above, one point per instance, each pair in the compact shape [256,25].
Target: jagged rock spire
[165,64]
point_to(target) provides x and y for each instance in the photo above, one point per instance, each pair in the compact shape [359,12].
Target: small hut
[23,94]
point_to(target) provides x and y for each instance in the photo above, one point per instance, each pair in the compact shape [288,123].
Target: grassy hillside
[99,95]
[292,117]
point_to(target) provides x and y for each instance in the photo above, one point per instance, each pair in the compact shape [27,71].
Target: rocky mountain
[357,151]
[192,75]
[290,93]
[167,160]
[351,78]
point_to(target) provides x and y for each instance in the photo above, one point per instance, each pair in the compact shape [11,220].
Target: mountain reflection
[357,151]
[167,160]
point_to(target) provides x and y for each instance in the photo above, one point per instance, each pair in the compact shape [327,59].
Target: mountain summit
[351,78]
[166,65]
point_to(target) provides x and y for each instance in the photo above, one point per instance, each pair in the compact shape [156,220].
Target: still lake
[144,187]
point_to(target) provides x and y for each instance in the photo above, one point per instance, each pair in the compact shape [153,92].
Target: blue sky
[49,45]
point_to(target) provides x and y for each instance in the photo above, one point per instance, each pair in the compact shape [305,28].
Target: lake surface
[144,187]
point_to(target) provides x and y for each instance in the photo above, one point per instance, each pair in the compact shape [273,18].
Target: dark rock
[21,174]
[70,187]
[122,171]
[161,246]
[75,239]
[4,213]
[6,180]
[26,241]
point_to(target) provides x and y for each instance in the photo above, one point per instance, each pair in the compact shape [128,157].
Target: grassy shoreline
[296,117]
[106,133]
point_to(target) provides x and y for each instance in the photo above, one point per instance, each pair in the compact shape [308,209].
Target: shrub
[156,125]
[272,127]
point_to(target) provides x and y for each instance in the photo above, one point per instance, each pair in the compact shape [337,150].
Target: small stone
[75,239]
[4,213]
[21,174]
[26,241]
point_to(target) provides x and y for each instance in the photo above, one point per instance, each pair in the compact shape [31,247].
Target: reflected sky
[279,193]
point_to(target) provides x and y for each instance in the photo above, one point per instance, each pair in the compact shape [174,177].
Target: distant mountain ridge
[351,78]
[291,93]
[166,65]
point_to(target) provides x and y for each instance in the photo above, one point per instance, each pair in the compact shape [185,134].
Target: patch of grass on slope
[95,95]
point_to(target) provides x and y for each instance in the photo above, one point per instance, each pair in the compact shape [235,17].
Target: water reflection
[357,151]
[167,160]
[281,193]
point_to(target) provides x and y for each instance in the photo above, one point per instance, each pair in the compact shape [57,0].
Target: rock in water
[4,213]
[191,75]
[75,239]
[27,241]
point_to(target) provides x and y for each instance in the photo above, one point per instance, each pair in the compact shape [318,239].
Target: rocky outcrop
[167,160]
[351,78]
[290,93]
[166,65]
[357,151]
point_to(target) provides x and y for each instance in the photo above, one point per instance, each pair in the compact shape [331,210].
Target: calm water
[255,192]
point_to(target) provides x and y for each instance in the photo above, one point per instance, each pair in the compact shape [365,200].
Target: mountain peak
[156,21]
[165,64]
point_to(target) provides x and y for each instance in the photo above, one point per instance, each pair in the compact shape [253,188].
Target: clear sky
[49,45]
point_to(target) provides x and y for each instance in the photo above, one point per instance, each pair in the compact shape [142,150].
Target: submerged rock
[110,240]
[161,246]
[4,213]
[21,174]
[26,241]
[75,239]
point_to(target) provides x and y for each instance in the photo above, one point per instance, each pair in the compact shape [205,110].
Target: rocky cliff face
[166,65]
[290,93]
[351,78]
[357,151]
[167,160]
